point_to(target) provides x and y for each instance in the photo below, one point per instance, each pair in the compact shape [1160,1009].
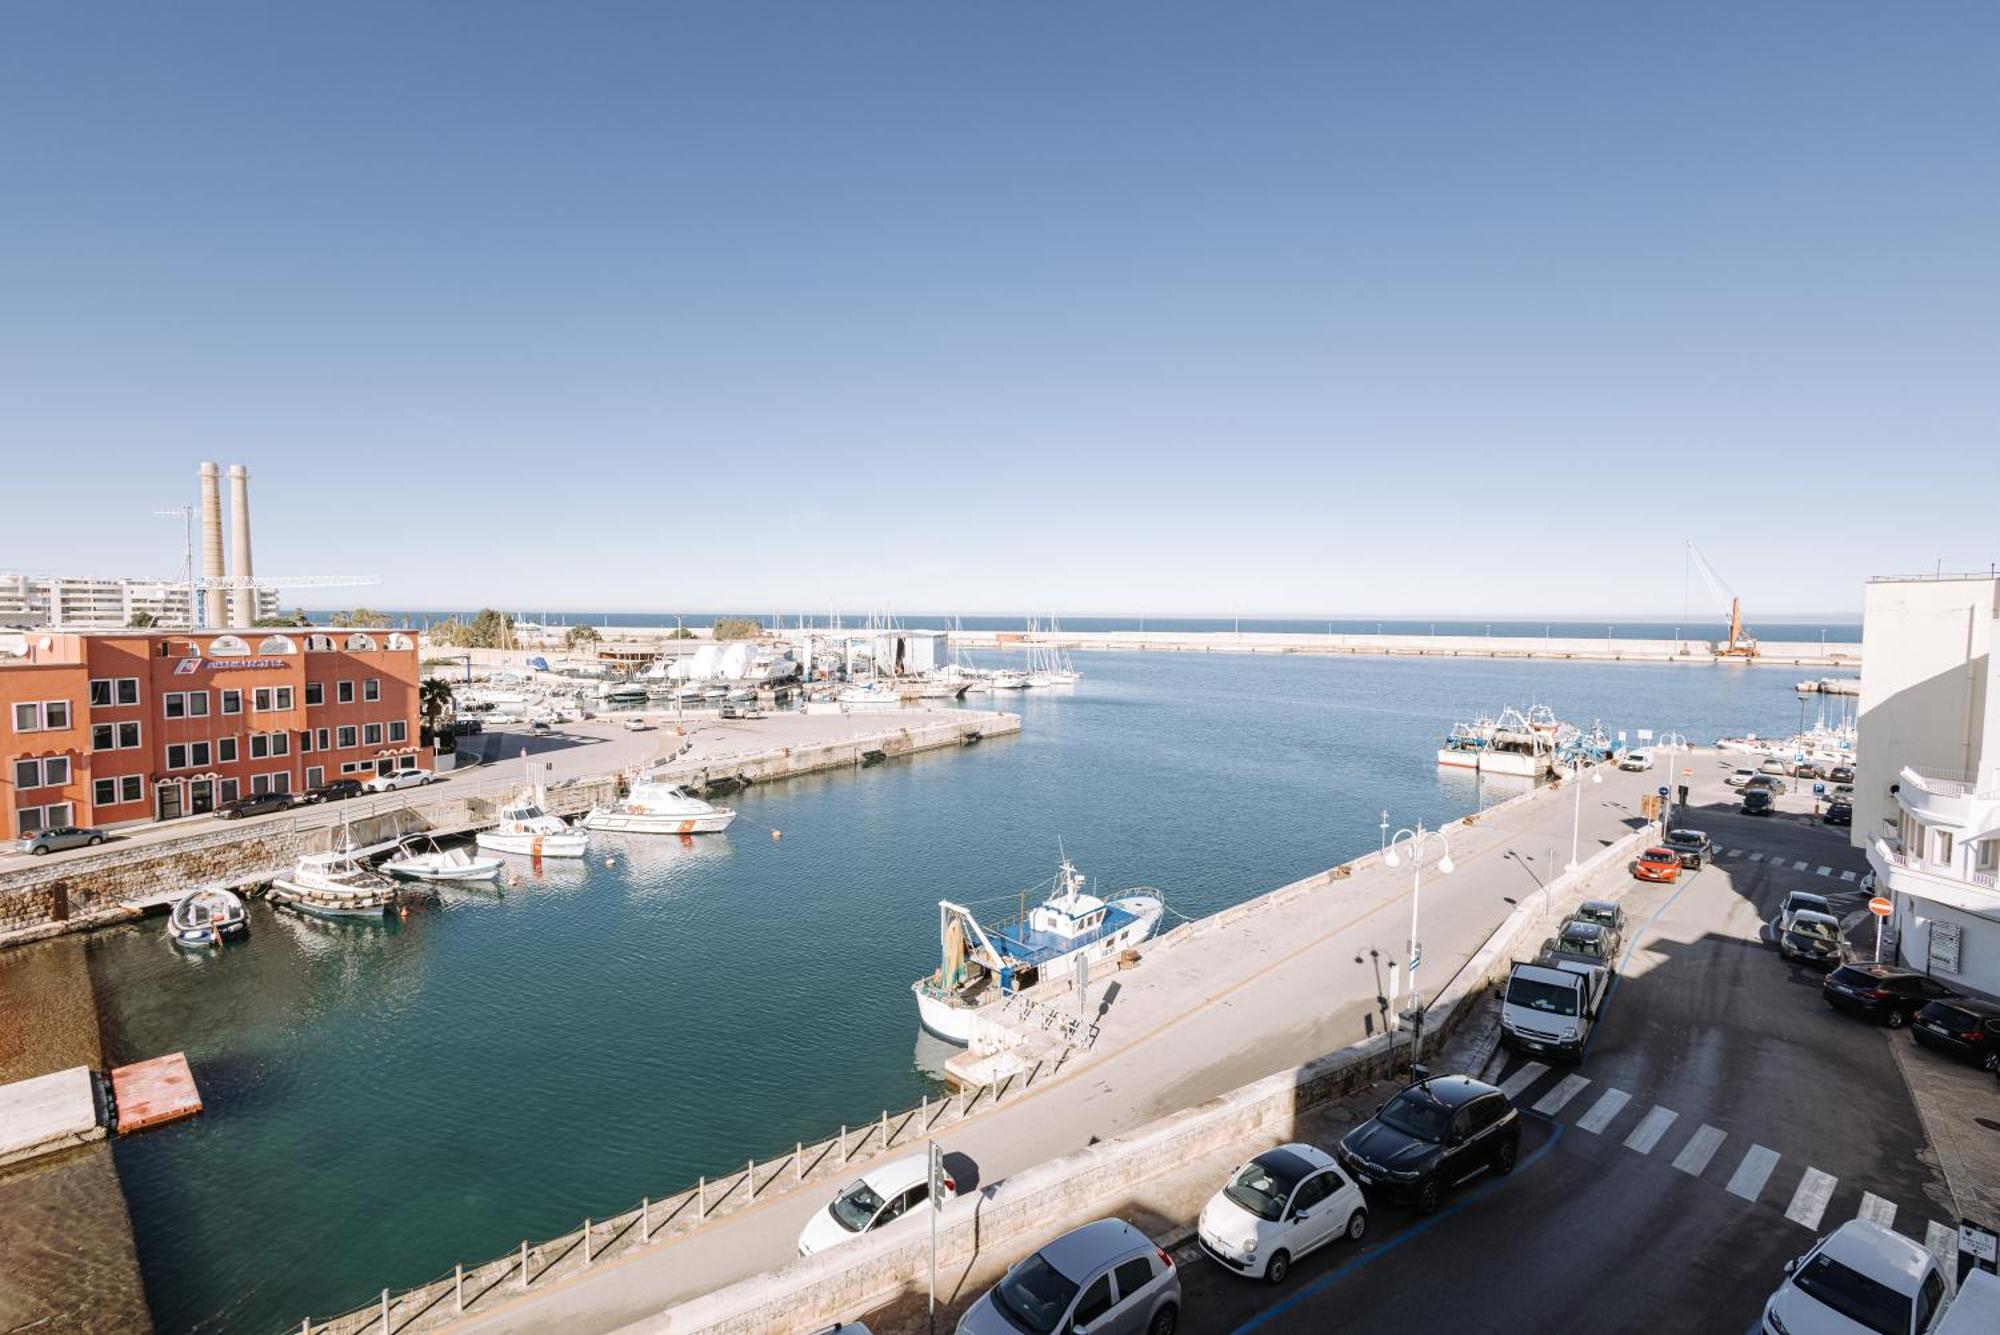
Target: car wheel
[1895,1019]
[1165,1321]
[39,850]
[1503,1159]
[1428,1195]
[96,839]
[1357,1224]
[1278,1266]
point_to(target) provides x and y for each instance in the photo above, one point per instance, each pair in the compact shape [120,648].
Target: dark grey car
[1106,1278]
[63,836]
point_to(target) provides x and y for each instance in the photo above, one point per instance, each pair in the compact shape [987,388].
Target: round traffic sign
[1880,907]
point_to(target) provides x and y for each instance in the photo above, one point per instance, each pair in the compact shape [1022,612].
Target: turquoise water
[383,1101]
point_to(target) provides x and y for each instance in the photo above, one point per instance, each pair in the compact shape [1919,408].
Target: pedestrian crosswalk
[1754,1173]
[1758,855]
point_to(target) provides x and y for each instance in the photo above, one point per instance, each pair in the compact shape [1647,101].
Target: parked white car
[1279,1206]
[402,778]
[881,1196]
[638,723]
[1861,1276]
[1740,777]
[1636,760]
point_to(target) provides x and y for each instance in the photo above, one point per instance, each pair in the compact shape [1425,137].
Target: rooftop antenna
[185,514]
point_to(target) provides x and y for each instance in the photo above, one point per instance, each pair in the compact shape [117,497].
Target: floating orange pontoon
[152,1092]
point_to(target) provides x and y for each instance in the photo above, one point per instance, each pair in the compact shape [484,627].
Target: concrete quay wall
[1787,653]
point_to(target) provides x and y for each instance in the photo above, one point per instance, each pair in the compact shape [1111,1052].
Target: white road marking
[1877,1210]
[1823,871]
[1798,866]
[1651,1127]
[1521,1079]
[1609,1104]
[1809,1201]
[1701,1147]
[1941,1241]
[1553,1101]
[1753,1172]
[1847,876]
[1757,856]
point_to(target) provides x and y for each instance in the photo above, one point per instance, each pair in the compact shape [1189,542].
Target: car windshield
[1818,931]
[1600,913]
[1034,1295]
[853,1208]
[1257,1190]
[1685,837]
[1855,1296]
[1416,1116]
[1537,995]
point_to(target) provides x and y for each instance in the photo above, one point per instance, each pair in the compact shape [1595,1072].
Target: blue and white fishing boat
[208,917]
[983,964]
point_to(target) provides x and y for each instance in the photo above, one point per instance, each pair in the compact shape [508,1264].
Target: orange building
[100,728]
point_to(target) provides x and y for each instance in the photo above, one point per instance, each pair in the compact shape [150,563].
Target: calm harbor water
[383,1101]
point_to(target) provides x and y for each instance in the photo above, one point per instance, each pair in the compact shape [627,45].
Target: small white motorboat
[208,918]
[524,827]
[659,808]
[334,885]
[442,864]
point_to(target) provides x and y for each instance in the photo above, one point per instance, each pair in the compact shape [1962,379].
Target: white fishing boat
[657,807]
[334,885]
[1521,744]
[984,964]
[1006,679]
[868,696]
[523,827]
[208,918]
[442,864]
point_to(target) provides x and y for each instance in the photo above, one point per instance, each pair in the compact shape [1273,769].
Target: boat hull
[371,903]
[941,1019]
[640,822]
[203,937]
[1519,763]
[1455,759]
[572,844]
[479,869]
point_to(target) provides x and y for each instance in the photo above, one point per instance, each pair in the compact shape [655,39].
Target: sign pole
[937,1203]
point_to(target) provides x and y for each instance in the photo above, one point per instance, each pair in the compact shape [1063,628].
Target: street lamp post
[1415,839]
[1385,831]
[1576,823]
[1674,743]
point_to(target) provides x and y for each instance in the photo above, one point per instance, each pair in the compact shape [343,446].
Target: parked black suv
[1963,1027]
[1433,1135]
[255,805]
[333,790]
[1758,802]
[1839,812]
[1692,845]
[1882,992]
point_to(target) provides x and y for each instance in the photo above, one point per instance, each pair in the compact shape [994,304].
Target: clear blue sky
[1363,308]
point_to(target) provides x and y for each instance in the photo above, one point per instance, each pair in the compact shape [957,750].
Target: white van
[1976,1309]
[881,1196]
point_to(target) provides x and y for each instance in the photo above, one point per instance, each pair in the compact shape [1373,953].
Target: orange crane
[1741,643]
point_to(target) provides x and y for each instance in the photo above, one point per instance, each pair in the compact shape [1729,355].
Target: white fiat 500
[882,1195]
[1279,1206]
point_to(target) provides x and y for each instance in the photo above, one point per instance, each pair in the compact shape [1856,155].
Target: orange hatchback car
[1658,864]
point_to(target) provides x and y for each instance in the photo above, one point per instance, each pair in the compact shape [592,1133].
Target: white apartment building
[1927,790]
[76,603]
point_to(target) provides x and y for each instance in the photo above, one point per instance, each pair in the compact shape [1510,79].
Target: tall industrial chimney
[239,546]
[211,611]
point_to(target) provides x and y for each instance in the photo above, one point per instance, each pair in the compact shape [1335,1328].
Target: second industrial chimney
[212,599]
[245,599]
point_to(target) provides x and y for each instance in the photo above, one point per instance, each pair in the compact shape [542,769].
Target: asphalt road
[1786,1119]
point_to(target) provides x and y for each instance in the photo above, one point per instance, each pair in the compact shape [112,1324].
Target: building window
[132,788]
[189,755]
[1986,855]
[227,790]
[281,743]
[50,773]
[276,644]
[128,690]
[128,736]
[103,736]
[225,750]
[41,716]
[305,740]
[259,746]
[315,693]
[1941,840]
[104,792]
[185,704]
[358,643]
[27,774]
[284,694]
[399,730]
[344,692]
[232,702]
[371,689]
[407,762]
[281,781]
[323,735]
[27,717]
[319,644]
[228,646]
[108,691]
[315,775]
[100,692]
[177,756]
[263,699]
[349,736]
[371,734]
[259,785]
[198,753]
[55,816]
[55,715]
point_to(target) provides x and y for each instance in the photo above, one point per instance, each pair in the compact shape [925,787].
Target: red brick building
[98,728]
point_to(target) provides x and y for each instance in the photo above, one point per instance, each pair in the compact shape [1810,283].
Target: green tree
[581,635]
[360,616]
[142,621]
[682,633]
[489,630]
[450,631]
[737,628]
[435,701]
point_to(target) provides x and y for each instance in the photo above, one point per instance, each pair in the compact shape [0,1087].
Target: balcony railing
[1895,856]
[1942,782]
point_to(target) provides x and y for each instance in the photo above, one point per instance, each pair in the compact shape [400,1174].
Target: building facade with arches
[109,728]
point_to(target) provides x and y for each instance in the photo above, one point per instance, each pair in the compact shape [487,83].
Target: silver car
[63,836]
[1105,1278]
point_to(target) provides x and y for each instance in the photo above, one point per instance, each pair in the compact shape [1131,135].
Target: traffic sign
[1416,959]
[937,1177]
[1663,790]
[1880,907]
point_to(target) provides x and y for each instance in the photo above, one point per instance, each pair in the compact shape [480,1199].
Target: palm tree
[579,635]
[434,699]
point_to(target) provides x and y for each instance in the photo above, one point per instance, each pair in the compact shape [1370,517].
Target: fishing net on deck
[954,953]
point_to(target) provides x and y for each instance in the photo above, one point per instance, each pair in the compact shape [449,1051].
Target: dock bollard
[524,1263]
[645,1219]
[799,1162]
[927,1112]
[458,1288]
[701,1198]
[885,1128]
[750,1177]
[843,1144]
[385,1310]
[586,1242]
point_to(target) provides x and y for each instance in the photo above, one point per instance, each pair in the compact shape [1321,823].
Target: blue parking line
[1625,960]
[1320,1285]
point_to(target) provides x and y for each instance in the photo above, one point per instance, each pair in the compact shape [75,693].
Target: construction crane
[1740,644]
[199,584]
